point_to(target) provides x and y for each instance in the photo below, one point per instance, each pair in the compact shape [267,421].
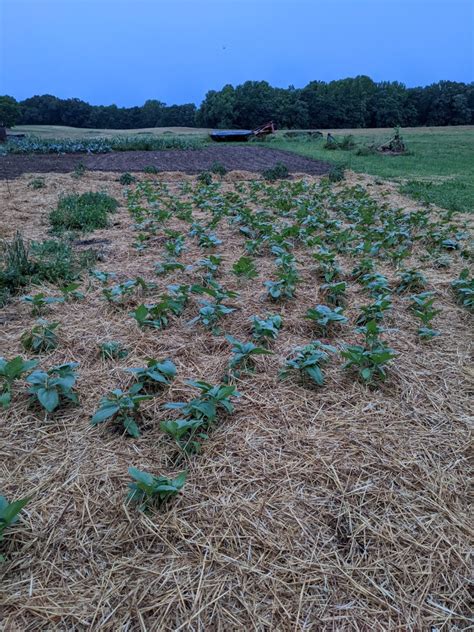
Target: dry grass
[339,508]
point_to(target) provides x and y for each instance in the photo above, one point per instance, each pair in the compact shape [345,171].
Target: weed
[205,178]
[278,172]
[9,513]
[37,183]
[127,178]
[218,169]
[151,169]
[410,280]
[163,267]
[39,302]
[244,266]
[463,288]
[112,350]
[85,212]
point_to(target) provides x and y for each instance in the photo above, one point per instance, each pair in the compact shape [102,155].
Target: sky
[127,51]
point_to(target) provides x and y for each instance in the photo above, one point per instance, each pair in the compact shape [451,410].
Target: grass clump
[127,178]
[85,212]
[278,172]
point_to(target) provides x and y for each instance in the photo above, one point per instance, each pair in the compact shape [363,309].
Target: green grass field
[439,167]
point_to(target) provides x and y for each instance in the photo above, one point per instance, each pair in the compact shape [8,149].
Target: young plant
[156,373]
[243,356]
[175,244]
[211,264]
[51,387]
[123,406]
[11,370]
[325,317]
[42,337]
[39,302]
[422,306]
[185,433]
[112,350]
[147,490]
[335,293]
[307,361]
[163,267]
[375,311]
[71,293]
[9,513]
[245,267]
[463,288]
[206,406]
[369,360]
[376,283]
[410,280]
[210,314]
[265,329]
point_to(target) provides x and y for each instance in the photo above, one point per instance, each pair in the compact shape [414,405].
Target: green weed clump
[9,513]
[85,212]
[278,172]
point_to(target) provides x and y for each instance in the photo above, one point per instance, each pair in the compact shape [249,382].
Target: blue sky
[127,51]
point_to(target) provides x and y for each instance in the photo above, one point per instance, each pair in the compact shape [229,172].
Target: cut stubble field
[342,506]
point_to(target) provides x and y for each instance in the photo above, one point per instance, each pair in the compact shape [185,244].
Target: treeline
[353,102]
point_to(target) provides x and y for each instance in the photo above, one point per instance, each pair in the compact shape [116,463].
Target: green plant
[211,263]
[337,173]
[85,212]
[175,244]
[335,293]
[112,350]
[151,169]
[463,288]
[185,433]
[411,280]
[122,405]
[51,386]
[376,283]
[11,370]
[163,267]
[369,361]
[9,513]
[245,266]
[264,329]
[148,489]
[375,311]
[278,172]
[205,177]
[127,178]
[155,373]
[218,168]
[242,360]
[206,406]
[79,170]
[422,306]
[325,317]
[71,292]
[40,301]
[210,314]
[307,361]
[37,183]
[42,337]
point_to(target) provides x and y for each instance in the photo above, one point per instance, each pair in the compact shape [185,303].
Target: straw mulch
[333,508]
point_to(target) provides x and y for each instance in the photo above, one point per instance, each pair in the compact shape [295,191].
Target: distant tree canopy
[352,102]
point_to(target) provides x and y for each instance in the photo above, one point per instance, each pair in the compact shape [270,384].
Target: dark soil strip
[241,158]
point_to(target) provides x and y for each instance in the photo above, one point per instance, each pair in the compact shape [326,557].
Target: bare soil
[248,158]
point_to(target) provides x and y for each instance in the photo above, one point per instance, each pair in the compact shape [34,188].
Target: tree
[9,111]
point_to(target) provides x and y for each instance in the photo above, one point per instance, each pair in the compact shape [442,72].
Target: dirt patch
[248,158]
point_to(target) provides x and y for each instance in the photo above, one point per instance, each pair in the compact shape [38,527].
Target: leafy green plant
[163,267]
[9,513]
[307,361]
[410,280]
[325,317]
[127,178]
[11,370]
[264,329]
[245,266]
[79,170]
[123,406]
[112,350]
[151,169]
[210,314]
[369,360]
[422,306]
[37,183]
[205,177]
[42,337]
[39,302]
[70,292]
[148,490]
[211,263]
[218,169]
[210,401]
[186,433]
[175,244]
[156,373]
[335,293]
[278,172]
[463,288]
[337,173]
[242,360]
[376,283]
[85,212]
[375,311]
[52,386]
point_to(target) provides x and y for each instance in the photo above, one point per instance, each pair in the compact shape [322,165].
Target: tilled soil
[245,158]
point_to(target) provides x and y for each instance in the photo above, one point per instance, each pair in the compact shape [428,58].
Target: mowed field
[322,492]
